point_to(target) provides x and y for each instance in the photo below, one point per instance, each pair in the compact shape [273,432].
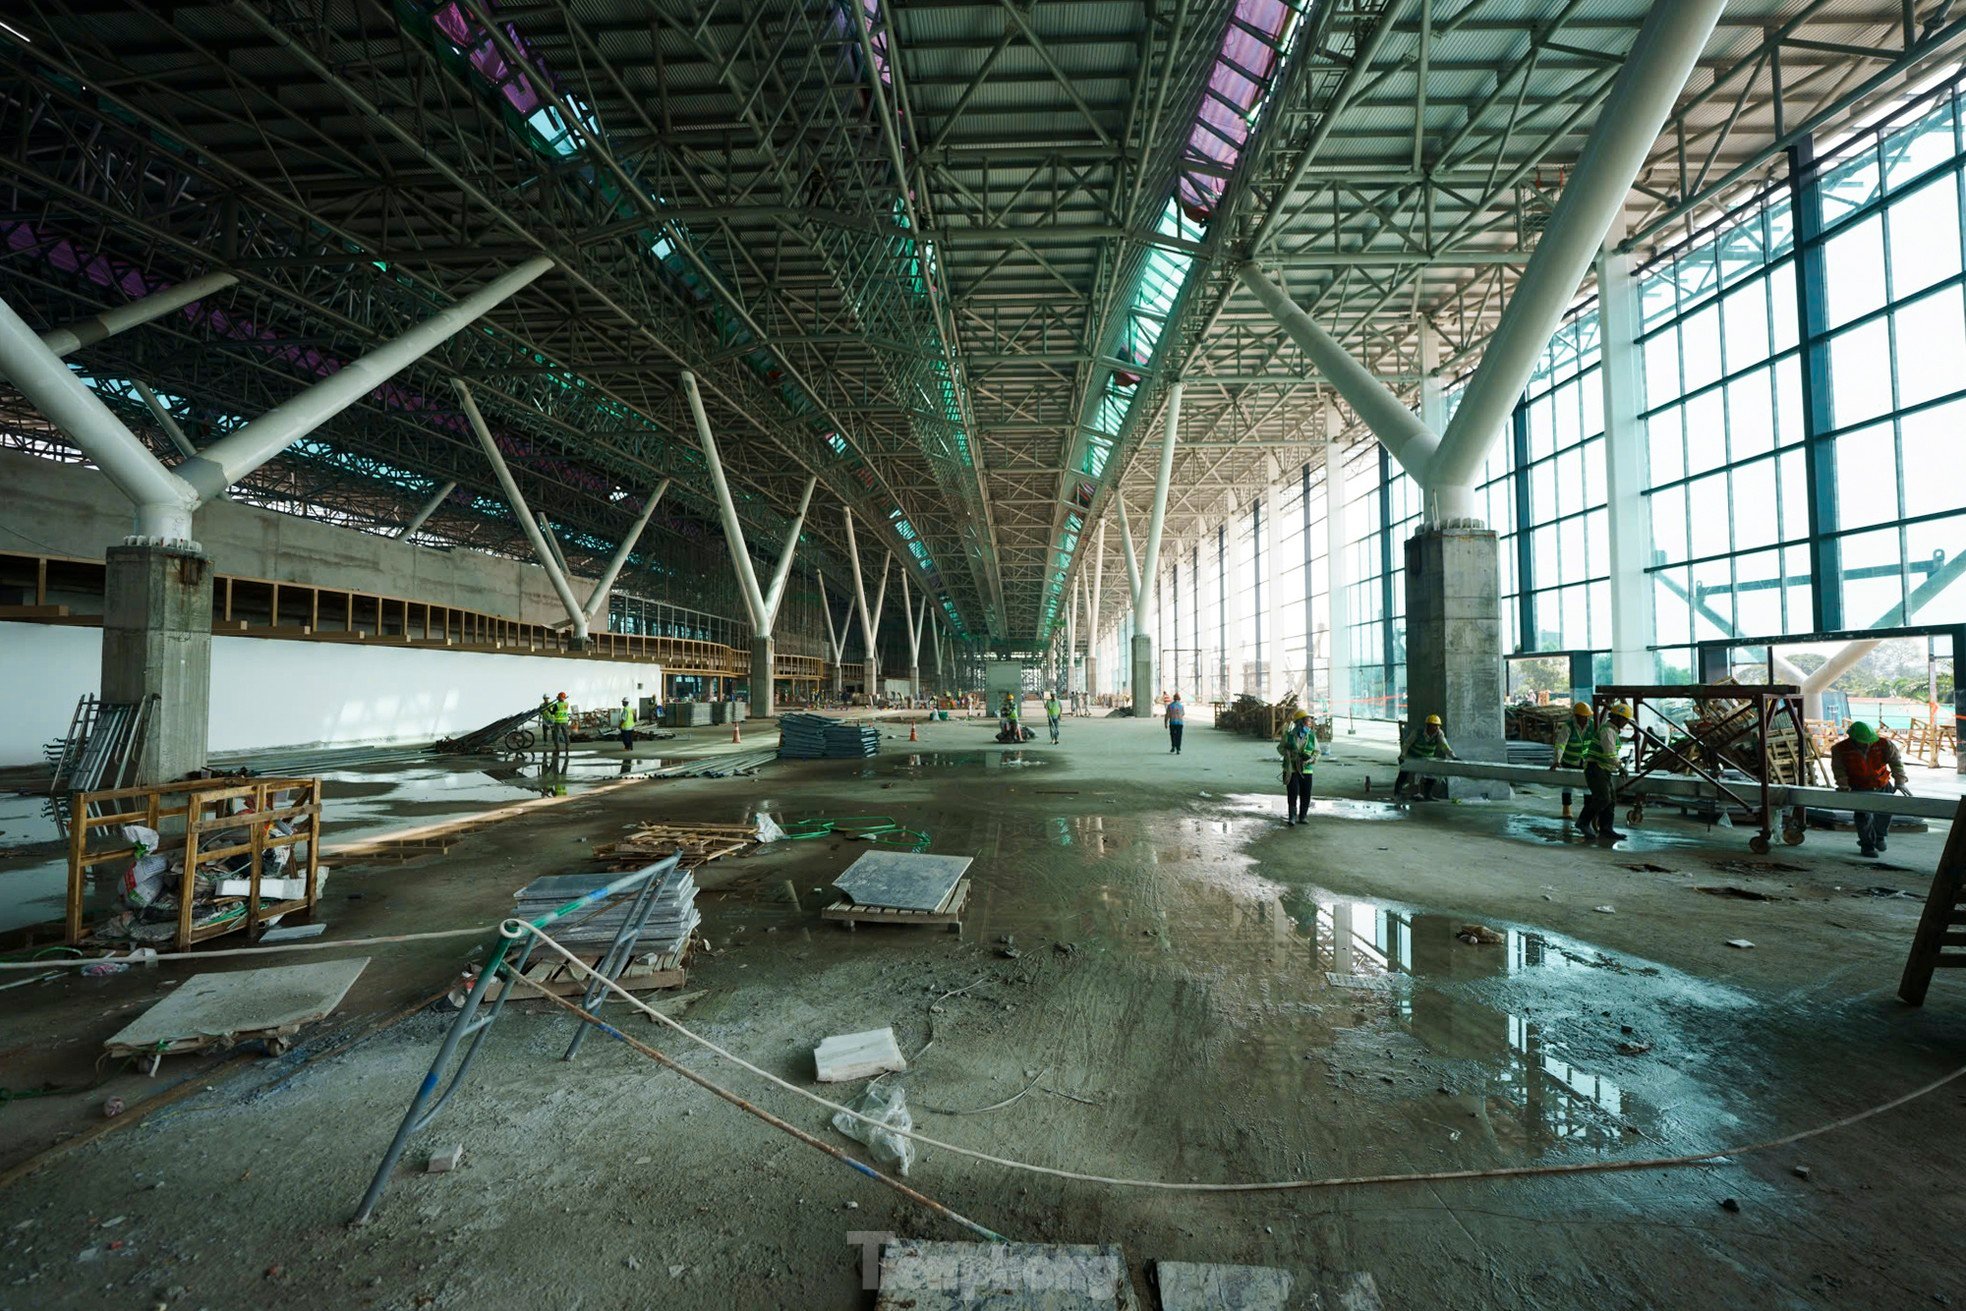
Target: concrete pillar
[764,699]
[1142,687]
[1625,468]
[1272,655]
[1338,577]
[157,638]
[1454,644]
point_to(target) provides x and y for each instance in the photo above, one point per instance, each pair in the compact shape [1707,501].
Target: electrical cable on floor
[146,958]
[515,928]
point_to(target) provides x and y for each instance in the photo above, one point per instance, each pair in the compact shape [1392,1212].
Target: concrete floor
[1197,993]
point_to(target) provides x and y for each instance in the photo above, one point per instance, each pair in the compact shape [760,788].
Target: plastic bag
[768,830]
[143,881]
[888,1106]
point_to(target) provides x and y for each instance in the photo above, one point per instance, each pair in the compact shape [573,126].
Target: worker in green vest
[1052,710]
[1570,748]
[1601,762]
[1430,743]
[1298,747]
[559,719]
[627,724]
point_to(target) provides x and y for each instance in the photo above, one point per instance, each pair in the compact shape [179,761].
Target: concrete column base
[1454,645]
[157,638]
[764,699]
[1143,676]
[871,679]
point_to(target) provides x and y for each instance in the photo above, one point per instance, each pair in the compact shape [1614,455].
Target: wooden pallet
[1943,925]
[951,914]
[560,979]
[697,844]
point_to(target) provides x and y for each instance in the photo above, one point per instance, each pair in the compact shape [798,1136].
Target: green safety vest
[1298,747]
[1051,707]
[1427,746]
[627,717]
[1599,753]
[1575,748]
[560,713]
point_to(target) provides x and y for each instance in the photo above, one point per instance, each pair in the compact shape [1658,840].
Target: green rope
[881,830]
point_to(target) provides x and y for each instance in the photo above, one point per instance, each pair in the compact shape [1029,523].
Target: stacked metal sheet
[803,737]
[852,741]
[671,920]
[903,880]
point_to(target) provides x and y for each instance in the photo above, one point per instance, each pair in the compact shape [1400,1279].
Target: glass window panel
[1783,315]
[1666,447]
[1798,593]
[1541,428]
[1661,368]
[1789,425]
[1872,579]
[1544,566]
[1699,337]
[1706,432]
[1853,271]
[1866,477]
[1792,476]
[1930,336]
[1713,599]
[1569,482]
[1542,491]
[1567,419]
[1594,493]
[1758,594]
[1850,185]
[1576,618]
[1927,542]
[1598,595]
[1744,321]
[1706,515]
[1590,402]
[1933,445]
[1919,146]
[1860,374]
[1571,564]
[1924,230]
[1669,523]
[1750,416]
[1658,299]
[1671,617]
[1755,518]
[1597,543]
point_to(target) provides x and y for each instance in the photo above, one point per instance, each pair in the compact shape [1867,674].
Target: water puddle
[1262,803]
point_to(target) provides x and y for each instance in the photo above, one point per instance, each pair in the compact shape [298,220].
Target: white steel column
[575,611]
[835,636]
[166,420]
[775,594]
[1668,46]
[1094,663]
[1337,567]
[243,450]
[553,545]
[747,576]
[429,507]
[72,337]
[597,601]
[911,627]
[1272,600]
[1625,467]
[1433,387]
[870,620]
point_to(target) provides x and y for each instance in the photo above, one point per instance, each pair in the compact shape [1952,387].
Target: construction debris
[931,1276]
[224,1008]
[850,1056]
[509,734]
[697,844]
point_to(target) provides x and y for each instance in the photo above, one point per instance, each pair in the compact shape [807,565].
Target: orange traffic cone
[911,734]
[735,736]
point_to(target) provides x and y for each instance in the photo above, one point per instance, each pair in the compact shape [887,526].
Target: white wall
[268,693]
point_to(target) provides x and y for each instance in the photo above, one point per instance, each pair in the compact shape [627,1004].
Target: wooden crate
[186,816]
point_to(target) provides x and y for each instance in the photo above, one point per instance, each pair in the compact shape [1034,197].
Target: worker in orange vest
[1864,762]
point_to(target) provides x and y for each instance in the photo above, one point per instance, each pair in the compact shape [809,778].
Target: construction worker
[1007,727]
[559,719]
[545,716]
[1177,720]
[1571,747]
[627,724]
[1601,761]
[1430,743]
[1052,710]
[1865,762]
[1298,747]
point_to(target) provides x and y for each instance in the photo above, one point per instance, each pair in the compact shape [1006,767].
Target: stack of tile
[852,741]
[663,939]
[803,737]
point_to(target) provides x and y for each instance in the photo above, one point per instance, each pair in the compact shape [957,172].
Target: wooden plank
[850,913]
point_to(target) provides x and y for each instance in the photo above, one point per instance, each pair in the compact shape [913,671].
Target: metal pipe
[860,587]
[72,337]
[520,512]
[747,574]
[600,596]
[1150,566]
[1132,561]
[245,449]
[775,594]
[164,501]
[429,508]
[1385,415]
[165,419]
[1667,48]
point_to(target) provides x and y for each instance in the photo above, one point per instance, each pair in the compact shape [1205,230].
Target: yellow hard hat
[1622,711]
[1433,721]
[1301,715]
[1581,708]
